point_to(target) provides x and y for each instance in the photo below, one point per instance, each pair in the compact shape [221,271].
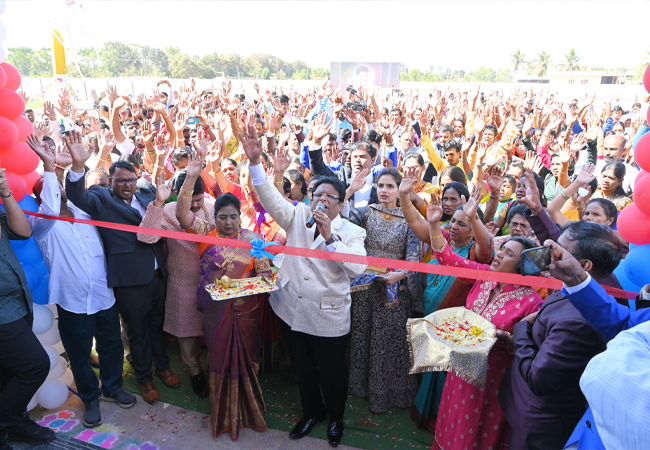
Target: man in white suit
[313,302]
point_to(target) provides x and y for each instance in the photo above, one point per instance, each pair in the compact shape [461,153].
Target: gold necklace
[386,215]
[229,253]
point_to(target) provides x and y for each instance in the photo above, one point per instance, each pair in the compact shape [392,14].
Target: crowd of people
[460,177]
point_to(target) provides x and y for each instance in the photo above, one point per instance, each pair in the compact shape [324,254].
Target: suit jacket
[540,394]
[319,167]
[314,295]
[129,262]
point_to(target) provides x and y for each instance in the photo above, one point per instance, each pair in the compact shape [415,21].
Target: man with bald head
[613,149]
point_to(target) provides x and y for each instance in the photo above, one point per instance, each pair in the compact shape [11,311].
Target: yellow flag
[58,54]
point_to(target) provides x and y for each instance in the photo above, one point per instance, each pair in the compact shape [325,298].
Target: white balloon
[52,394]
[3,53]
[3,6]
[58,370]
[53,355]
[59,347]
[51,336]
[52,307]
[43,319]
[67,377]
[3,31]
[32,403]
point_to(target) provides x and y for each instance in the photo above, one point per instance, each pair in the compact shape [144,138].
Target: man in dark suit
[358,179]
[540,395]
[136,271]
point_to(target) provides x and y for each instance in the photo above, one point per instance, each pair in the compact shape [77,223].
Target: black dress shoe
[30,432]
[335,432]
[304,427]
[199,385]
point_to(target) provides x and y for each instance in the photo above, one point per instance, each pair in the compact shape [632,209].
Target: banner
[385,75]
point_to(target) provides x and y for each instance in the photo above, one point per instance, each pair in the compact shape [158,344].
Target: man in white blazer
[313,302]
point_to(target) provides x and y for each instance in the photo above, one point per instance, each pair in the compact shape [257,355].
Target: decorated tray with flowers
[226,288]
[451,340]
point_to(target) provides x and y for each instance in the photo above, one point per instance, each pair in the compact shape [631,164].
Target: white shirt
[616,384]
[78,273]
[362,196]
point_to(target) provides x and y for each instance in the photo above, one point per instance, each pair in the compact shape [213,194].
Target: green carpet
[363,429]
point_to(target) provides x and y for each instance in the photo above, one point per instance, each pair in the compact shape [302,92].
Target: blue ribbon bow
[258,249]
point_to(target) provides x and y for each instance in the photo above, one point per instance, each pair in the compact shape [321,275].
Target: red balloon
[633,225]
[641,152]
[13,76]
[8,133]
[3,78]
[642,195]
[24,126]
[11,104]
[16,185]
[30,179]
[641,174]
[20,158]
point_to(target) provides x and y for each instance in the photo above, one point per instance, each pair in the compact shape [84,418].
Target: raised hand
[471,205]
[161,147]
[24,96]
[215,154]
[112,94]
[495,180]
[48,110]
[47,156]
[434,209]
[578,143]
[321,127]
[195,165]
[359,180]
[163,190]
[532,197]
[250,142]
[41,130]
[492,228]
[586,175]
[147,131]
[481,150]
[77,152]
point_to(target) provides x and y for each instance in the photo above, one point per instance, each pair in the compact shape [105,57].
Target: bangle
[160,167]
[214,174]
[60,167]
[407,205]
[580,209]
[494,197]
[185,193]
[165,116]
[278,183]
[435,237]
[108,159]
[7,196]
[563,194]
[479,165]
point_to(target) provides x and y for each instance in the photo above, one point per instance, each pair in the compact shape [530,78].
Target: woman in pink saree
[470,417]
[231,327]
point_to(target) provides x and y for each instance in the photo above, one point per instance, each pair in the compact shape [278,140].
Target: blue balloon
[633,246]
[637,267]
[33,275]
[28,204]
[40,294]
[18,244]
[29,253]
[624,280]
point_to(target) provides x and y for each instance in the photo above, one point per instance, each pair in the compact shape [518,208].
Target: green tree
[431,77]
[503,76]
[186,66]
[20,58]
[641,67]
[266,73]
[517,60]
[414,75]
[299,74]
[119,58]
[282,75]
[484,75]
[571,61]
[542,64]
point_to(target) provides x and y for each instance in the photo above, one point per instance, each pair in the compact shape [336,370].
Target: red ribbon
[435,269]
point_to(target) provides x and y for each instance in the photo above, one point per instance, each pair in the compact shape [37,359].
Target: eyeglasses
[329,197]
[125,181]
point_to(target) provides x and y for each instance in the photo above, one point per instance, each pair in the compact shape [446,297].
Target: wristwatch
[332,239]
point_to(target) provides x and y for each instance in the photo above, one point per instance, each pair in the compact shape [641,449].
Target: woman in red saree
[470,417]
[231,327]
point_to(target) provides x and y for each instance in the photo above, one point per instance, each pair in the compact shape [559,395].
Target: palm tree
[541,65]
[640,69]
[518,60]
[572,61]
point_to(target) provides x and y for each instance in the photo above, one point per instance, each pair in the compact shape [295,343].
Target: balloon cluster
[634,221]
[54,391]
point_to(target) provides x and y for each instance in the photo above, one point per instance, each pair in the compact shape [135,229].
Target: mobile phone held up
[351,90]
[192,121]
[535,260]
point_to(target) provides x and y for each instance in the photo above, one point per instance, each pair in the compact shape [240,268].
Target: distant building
[581,77]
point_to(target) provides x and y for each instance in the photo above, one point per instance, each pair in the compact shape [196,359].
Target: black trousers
[24,365]
[143,309]
[321,366]
[77,331]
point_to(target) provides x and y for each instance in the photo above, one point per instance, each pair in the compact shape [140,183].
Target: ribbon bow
[258,249]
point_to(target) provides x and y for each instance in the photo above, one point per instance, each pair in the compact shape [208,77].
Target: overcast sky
[459,34]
